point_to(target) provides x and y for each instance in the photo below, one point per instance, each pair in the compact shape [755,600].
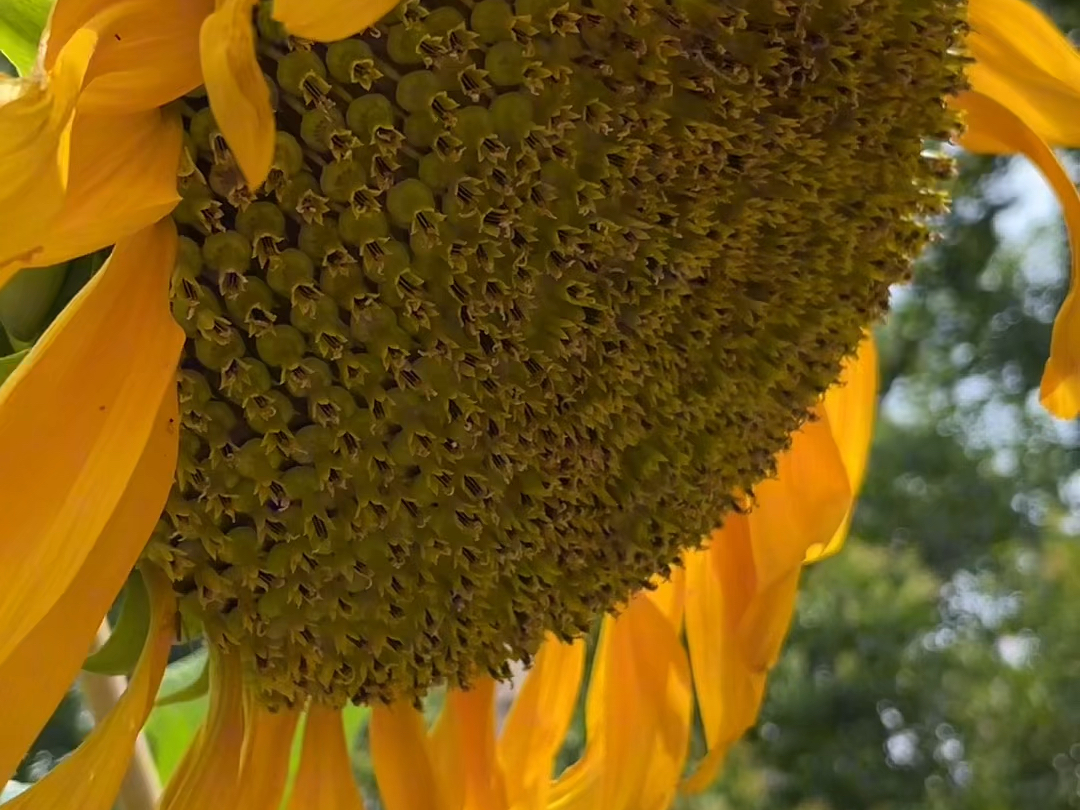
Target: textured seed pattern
[532,290]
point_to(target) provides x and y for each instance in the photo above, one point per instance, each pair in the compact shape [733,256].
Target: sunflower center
[531,290]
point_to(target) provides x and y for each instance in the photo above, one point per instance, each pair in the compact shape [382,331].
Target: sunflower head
[529,293]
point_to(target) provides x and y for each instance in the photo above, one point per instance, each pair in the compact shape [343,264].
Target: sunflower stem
[141,787]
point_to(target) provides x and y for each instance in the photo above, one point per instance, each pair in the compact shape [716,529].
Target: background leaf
[21,24]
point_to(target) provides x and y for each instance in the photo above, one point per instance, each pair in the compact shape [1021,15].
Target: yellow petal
[94,772]
[1025,63]
[463,749]
[207,776]
[1060,390]
[538,721]
[42,667]
[851,406]
[720,583]
[35,121]
[264,758]
[324,780]
[237,89]
[645,703]
[329,20]
[122,179]
[75,418]
[149,51]
[402,758]
[802,505]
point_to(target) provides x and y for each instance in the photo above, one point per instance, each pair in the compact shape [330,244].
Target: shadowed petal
[95,770]
[990,120]
[237,89]
[75,418]
[329,20]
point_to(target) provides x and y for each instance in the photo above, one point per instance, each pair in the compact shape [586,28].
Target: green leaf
[186,679]
[170,730]
[21,24]
[27,299]
[9,363]
[119,654]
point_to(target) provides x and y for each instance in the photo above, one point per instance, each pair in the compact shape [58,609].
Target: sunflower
[433,333]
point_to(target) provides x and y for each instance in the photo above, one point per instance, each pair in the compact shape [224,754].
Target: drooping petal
[1060,389]
[538,721]
[264,760]
[42,667]
[149,51]
[329,20]
[802,505]
[463,749]
[720,582]
[122,179]
[1025,63]
[324,780]
[640,702]
[35,128]
[851,405]
[402,758]
[95,770]
[75,418]
[238,93]
[208,774]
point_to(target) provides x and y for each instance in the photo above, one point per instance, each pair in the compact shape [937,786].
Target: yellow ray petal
[463,749]
[264,759]
[802,505]
[35,120]
[237,89]
[122,179]
[149,53]
[851,406]
[538,722]
[43,666]
[207,776]
[94,772]
[402,758]
[329,20]
[75,418]
[1025,63]
[644,706]
[720,582]
[1060,390]
[324,780]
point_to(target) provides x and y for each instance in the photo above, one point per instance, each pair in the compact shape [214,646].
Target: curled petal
[538,722]
[1060,389]
[329,20]
[122,179]
[237,89]
[720,583]
[1023,62]
[104,755]
[851,406]
[41,668]
[75,419]
[638,711]
[35,129]
[148,54]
